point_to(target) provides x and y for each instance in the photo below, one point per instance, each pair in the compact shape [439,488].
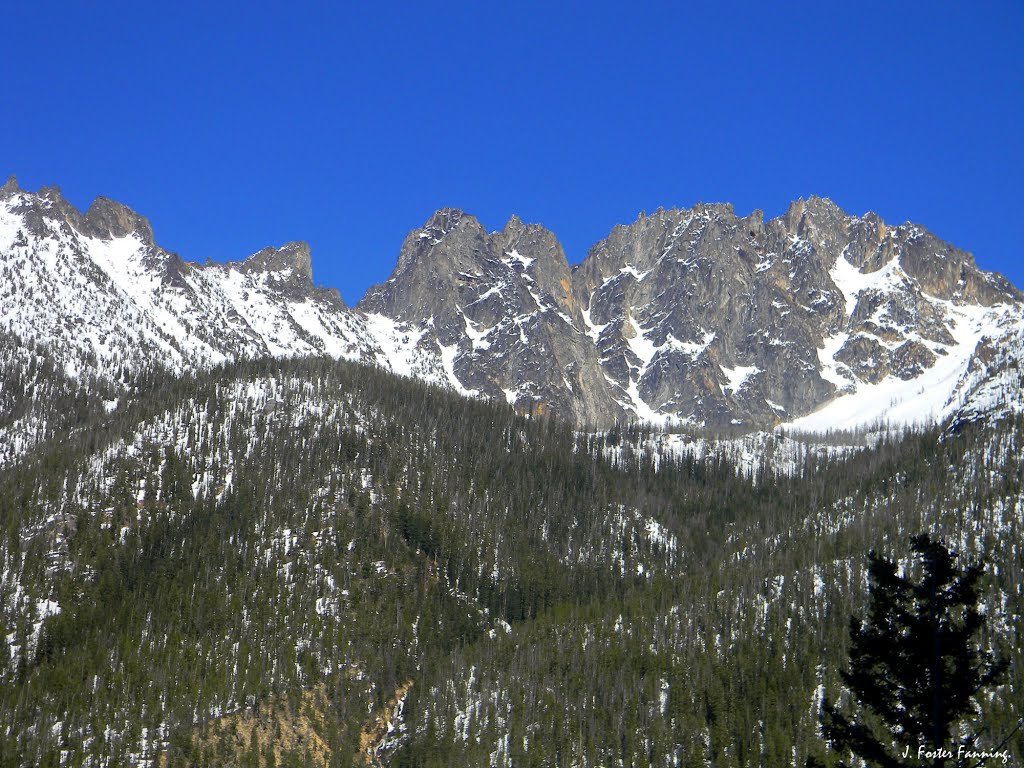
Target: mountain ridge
[685,316]
[925,272]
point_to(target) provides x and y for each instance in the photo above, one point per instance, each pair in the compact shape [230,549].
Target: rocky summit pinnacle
[294,257]
[10,187]
[499,306]
[108,219]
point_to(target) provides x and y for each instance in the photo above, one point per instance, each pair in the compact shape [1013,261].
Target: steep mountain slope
[106,301]
[31,385]
[816,319]
[501,308]
[702,317]
[715,318]
[253,525]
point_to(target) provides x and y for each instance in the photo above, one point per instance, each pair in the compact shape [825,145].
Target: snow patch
[515,257]
[448,354]
[738,376]
[924,400]
[852,282]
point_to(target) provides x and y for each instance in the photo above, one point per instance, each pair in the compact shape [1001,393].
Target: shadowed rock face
[107,219]
[697,314]
[501,305]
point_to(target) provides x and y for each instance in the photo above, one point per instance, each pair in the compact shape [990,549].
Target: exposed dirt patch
[374,732]
[275,725]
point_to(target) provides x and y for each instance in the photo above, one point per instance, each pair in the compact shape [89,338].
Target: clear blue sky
[236,126]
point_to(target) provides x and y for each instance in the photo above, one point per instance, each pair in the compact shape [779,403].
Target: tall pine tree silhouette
[915,666]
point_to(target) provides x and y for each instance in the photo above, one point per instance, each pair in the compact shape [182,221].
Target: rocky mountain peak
[813,205]
[44,209]
[443,222]
[716,210]
[542,253]
[288,269]
[432,258]
[50,192]
[293,256]
[10,187]
[107,219]
[815,223]
[513,225]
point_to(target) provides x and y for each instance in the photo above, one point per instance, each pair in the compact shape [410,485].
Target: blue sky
[347,124]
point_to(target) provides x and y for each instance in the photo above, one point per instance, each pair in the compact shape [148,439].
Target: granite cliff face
[500,308]
[698,315]
[816,318]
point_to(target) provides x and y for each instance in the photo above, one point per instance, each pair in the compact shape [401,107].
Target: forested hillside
[289,562]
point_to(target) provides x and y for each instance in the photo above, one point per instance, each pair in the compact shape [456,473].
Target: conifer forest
[311,562]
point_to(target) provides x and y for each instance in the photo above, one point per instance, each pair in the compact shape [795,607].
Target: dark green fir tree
[916,668]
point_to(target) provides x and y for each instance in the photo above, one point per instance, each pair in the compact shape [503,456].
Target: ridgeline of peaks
[703,316]
[815,318]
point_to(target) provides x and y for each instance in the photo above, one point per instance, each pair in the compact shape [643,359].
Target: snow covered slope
[105,300]
[961,378]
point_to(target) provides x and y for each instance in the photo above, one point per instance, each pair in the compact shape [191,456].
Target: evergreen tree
[915,666]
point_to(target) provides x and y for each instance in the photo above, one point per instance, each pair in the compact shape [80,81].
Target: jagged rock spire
[10,187]
[108,218]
